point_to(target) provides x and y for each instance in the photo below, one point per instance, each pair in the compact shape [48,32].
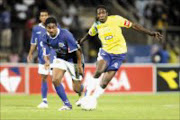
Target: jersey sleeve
[45,46]
[93,30]
[34,37]
[71,42]
[122,22]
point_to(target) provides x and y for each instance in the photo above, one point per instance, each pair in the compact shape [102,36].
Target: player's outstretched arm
[87,36]
[30,54]
[79,61]
[140,28]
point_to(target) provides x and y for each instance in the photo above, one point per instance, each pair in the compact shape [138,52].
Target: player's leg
[78,87]
[90,102]
[101,66]
[44,87]
[57,76]
[59,68]
[107,77]
[115,62]
[102,63]
[76,78]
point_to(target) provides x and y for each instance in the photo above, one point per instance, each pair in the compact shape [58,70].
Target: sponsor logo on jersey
[39,32]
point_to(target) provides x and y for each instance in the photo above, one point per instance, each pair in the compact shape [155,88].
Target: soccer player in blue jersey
[68,58]
[36,42]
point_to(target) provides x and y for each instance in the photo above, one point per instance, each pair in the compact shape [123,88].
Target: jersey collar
[41,25]
[58,32]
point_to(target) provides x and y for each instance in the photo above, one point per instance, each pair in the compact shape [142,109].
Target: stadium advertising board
[23,78]
[132,79]
[12,79]
[35,81]
[128,79]
[168,78]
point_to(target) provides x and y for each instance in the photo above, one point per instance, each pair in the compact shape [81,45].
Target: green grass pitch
[165,106]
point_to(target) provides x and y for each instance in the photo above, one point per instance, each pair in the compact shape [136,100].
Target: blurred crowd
[17,18]
[161,13]
[165,53]
[167,13]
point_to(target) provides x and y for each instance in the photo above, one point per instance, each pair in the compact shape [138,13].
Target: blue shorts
[114,61]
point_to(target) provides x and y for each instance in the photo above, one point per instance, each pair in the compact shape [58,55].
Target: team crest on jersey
[61,45]
[115,65]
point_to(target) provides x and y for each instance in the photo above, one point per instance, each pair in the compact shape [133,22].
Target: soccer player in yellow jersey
[114,47]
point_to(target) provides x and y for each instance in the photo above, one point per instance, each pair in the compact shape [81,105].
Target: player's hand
[29,58]
[78,41]
[157,36]
[47,65]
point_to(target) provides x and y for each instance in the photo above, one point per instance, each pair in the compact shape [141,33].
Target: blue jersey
[37,33]
[63,43]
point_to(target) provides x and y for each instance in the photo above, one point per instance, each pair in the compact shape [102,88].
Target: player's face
[102,15]
[51,29]
[43,16]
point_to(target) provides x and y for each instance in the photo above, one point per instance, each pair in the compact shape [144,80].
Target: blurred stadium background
[19,16]
[146,69]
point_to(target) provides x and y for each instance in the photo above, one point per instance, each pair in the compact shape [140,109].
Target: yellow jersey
[110,34]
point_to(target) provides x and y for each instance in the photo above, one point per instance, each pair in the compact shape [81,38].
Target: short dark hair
[50,20]
[43,10]
[101,6]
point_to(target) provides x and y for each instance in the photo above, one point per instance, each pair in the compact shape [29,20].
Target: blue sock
[61,93]
[44,90]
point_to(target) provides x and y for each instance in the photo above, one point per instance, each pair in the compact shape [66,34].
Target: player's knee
[44,78]
[77,90]
[98,73]
[55,81]
[77,87]
[104,84]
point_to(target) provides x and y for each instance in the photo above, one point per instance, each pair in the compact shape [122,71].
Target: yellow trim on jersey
[110,34]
